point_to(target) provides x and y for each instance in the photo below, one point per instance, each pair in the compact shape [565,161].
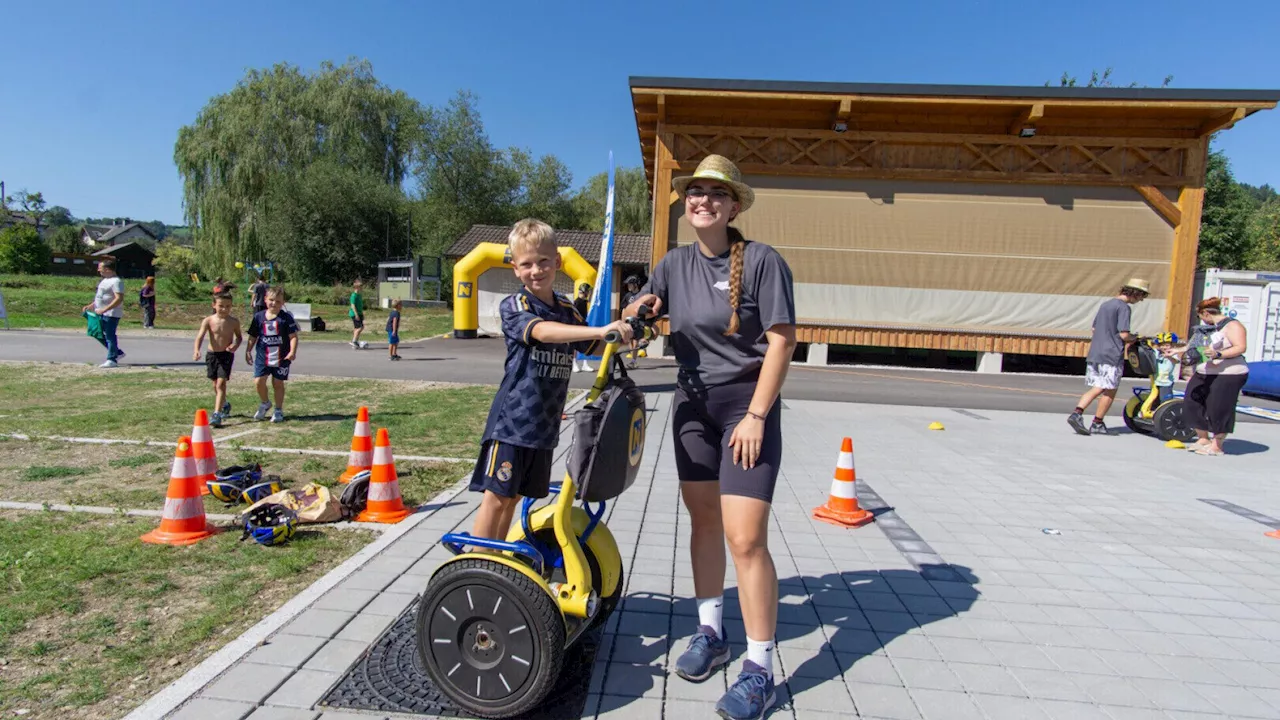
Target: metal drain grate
[390,678]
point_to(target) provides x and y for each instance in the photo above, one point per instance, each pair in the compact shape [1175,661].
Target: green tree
[1102,79]
[632,210]
[22,251]
[66,239]
[30,204]
[316,236]
[58,216]
[1224,242]
[278,121]
[1264,236]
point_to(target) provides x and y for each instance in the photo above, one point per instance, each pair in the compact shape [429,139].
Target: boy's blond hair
[529,235]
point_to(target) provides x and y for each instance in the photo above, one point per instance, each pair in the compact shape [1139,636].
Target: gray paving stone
[988,679]
[809,663]
[873,669]
[279,713]
[1172,695]
[366,579]
[1235,701]
[336,655]
[883,701]
[644,624]
[318,623]
[635,681]
[303,690]
[247,682]
[365,628]
[640,651]
[345,598]
[388,603]
[944,705]
[1003,707]
[707,691]
[681,708]
[209,709]
[613,707]
[1047,684]
[1064,710]
[1110,690]
[339,715]
[284,649]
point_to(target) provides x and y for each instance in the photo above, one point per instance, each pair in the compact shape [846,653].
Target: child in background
[147,300]
[356,313]
[224,339]
[393,331]
[1166,367]
[269,332]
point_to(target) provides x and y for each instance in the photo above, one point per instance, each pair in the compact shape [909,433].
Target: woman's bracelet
[758,417]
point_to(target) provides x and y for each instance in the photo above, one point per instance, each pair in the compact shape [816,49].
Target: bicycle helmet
[1167,337]
[270,524]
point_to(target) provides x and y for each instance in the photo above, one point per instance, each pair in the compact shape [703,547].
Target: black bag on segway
[608,442]
[1143,359]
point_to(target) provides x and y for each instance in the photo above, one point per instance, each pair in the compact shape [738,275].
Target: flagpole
[600,306]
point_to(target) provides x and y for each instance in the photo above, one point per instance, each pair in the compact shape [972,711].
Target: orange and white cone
[183,522]
[842,504]
[361,457]
[202,444]
[385,504]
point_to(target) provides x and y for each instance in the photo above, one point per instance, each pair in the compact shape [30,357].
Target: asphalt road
[480,361]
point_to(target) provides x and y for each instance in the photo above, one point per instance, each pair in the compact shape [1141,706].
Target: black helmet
[631,280]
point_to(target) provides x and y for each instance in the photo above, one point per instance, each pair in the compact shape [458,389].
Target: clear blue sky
[92,93]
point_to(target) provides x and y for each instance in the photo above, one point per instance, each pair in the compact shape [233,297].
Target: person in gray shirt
[1105,363]
[731,306]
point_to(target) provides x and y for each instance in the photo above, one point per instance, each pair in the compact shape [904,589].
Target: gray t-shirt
[694,290]
[1112,319]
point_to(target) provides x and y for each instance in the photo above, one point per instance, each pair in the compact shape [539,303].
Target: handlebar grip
[613,336]
[642,311]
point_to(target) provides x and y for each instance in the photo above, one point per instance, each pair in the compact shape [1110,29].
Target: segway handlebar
[641,326]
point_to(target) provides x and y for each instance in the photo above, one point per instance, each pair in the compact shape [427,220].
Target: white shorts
[1101,375]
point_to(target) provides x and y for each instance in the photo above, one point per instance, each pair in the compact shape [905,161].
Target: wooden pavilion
[966,218]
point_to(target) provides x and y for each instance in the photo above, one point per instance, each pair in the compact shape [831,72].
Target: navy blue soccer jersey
[526,411]
[272,336]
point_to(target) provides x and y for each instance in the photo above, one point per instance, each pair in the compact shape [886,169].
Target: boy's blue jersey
[272,336]
[526,411]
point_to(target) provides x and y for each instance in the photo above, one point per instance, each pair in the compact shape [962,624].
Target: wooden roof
[1109,113]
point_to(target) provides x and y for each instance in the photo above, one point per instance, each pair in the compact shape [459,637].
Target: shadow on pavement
[826,625]
[1235,446]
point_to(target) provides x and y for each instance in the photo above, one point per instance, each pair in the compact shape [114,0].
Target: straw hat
[720,169]
[1139,284]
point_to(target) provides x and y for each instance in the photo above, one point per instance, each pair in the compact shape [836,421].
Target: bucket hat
[1139,284]
[720,169]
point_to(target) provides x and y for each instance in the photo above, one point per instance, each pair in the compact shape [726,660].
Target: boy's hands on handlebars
[621,328]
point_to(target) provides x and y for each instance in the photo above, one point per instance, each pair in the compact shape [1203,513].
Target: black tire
[502,638]
[607,604]
[1171,422]
[1131,409]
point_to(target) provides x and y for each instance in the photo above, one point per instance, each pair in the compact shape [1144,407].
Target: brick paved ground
[1147,603]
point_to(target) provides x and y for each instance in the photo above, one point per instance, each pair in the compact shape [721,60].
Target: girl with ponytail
[731,307]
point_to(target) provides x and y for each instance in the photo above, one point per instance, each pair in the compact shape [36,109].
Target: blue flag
[600,306]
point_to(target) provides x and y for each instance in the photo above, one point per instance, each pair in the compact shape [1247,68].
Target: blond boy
[223,331]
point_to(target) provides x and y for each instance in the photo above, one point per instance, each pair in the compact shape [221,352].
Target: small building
[132,259]
[631,253]
[971,219]
[98,236]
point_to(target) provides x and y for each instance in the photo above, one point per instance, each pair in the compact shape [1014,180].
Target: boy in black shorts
[224,337]
[542,330]
[272,347]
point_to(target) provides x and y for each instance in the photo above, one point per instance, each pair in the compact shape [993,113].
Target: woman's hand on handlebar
[651,301]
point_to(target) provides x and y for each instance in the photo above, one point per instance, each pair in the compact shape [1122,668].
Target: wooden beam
[1028,116]
[661,198]
[1222,122]
[1186,243]
[662,108]
[1162,204]
[938,138]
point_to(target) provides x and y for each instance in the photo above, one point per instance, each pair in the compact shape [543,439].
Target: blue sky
[93,93]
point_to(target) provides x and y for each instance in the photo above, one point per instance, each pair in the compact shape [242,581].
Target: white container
[1250,296]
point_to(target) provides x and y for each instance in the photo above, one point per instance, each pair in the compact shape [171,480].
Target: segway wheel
[491,639]
[607,603]
[1131,410]
[1171,422]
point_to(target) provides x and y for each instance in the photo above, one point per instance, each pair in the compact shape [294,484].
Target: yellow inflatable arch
[486,256]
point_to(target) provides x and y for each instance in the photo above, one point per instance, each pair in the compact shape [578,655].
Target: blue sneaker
[705,653]
[226,409]
[750,697]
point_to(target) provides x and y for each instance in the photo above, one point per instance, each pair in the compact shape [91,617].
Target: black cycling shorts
[217,364]
[511,471]
[703,423]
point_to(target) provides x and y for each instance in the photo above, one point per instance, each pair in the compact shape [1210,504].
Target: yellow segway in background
[1144,413]
[493,626]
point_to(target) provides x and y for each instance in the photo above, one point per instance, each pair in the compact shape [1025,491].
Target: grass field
[93,621]
[50,301]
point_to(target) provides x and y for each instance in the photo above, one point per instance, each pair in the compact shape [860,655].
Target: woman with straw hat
[731,306]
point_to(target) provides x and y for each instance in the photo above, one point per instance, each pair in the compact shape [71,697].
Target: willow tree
[277,122]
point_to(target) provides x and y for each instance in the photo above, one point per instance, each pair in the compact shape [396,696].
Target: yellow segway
[493,627]
[1144,413]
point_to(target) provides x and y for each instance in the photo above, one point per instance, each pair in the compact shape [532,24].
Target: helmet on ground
[254,493]
[1167,337]
[229,484]
[270,524]
[356,495]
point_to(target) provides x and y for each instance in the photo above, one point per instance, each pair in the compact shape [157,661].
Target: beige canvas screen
[965,256]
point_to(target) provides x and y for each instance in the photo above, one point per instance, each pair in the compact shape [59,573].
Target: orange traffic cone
[206,458]
[183,522]
[385,504]
[842,504]
[361,457]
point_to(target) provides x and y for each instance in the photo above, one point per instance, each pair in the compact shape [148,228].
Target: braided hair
[737,258]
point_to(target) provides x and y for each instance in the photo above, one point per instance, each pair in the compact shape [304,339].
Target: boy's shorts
[357,322]
[1164,393]
[1102,375]
[510,470]
[217,365]
[260,368]
[393,339]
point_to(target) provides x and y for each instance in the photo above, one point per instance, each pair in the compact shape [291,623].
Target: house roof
[628,249]
[16,218]
[121,229]
[97,231]
[117,248]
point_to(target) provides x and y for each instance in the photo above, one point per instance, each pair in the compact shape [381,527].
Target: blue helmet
[270,524]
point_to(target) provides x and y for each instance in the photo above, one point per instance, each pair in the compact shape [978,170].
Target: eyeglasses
[719,194]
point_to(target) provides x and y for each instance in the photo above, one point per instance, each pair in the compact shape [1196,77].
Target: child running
[542,331]
[393,331]
[224,339]
[269,332]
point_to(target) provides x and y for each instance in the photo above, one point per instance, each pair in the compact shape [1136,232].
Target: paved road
[480,361]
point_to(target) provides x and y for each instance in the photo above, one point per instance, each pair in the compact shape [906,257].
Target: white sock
[760,652]
[711,613]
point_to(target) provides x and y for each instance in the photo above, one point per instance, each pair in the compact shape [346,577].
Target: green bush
[22,251]
[181,287]
[174,259]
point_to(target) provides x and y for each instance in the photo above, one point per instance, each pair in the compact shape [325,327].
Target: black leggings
[702,425]
[1211,401]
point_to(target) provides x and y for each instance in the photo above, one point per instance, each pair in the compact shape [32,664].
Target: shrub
[181,287]
[175,259]
[22,251]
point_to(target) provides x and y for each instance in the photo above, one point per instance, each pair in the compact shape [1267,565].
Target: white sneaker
[262,411]
[277,416]
[363,344]
[109,364]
